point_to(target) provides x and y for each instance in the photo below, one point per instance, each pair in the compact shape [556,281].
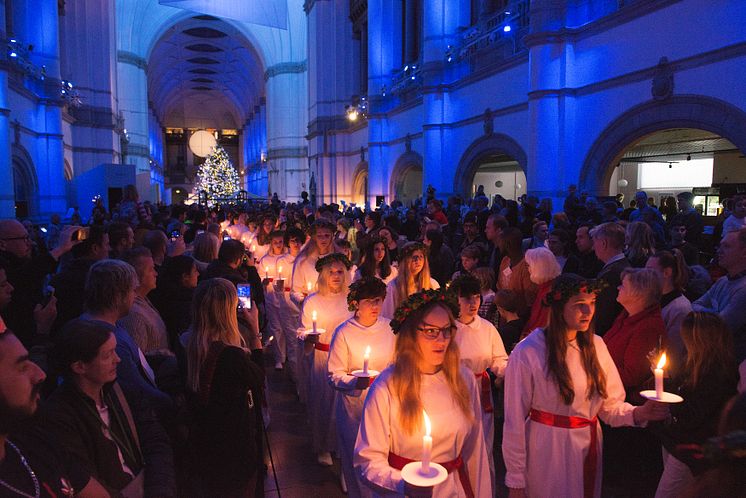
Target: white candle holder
[666,398]
[363,374]
[412,474]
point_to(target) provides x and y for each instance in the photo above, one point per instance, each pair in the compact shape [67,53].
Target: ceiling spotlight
[688,157]
[670,165]
[507,28]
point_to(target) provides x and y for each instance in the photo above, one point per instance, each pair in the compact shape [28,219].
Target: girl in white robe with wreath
[366,334]
[425,377]
[560,379]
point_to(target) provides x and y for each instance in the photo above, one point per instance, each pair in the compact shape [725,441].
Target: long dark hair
[556,340]
[368,263]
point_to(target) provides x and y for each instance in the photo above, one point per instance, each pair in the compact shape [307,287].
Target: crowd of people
[518,338]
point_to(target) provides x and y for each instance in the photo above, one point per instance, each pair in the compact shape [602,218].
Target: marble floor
[298,474]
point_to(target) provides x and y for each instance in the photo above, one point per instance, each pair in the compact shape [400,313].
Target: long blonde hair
[406,283]
[407,375]
[323,281]
[214,319]
[709,347]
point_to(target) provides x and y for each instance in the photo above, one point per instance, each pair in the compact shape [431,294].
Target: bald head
[15,239]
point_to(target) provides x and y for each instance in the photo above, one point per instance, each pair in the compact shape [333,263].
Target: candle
[313,317]
[309,285]
[427,445]
[266,272]
[279,272]
[658,372]
[366,359]
[253,249]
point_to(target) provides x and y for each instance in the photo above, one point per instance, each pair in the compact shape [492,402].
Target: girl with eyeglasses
[426,376]
[560,379]
[413,277]
[481,349]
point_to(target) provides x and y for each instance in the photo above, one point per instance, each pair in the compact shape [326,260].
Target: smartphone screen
[244,296]
[82,233]
[175,234]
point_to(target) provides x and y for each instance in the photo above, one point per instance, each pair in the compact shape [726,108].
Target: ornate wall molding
[132,59]
[285,68]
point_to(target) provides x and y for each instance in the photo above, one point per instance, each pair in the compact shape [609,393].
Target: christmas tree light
[217,177]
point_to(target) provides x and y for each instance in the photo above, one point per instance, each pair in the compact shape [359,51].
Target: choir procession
[145,371]
[373,248]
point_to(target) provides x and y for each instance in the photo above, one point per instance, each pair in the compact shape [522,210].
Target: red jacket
[630,339]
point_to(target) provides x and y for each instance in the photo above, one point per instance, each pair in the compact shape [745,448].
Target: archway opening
[408,186]
[673,160]
[23,189]
[360,190]
[497,174]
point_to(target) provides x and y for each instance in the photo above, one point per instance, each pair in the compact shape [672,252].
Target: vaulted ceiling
[203,73]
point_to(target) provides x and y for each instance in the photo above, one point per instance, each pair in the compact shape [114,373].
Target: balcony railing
[494,39]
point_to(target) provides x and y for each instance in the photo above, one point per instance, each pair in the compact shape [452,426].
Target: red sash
[485,391]
[590,463]
[398,462]
[321,346]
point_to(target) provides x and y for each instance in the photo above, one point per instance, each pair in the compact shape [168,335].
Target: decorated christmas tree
[217,177]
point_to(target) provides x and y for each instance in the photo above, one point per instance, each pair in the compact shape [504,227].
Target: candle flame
[279,269]
[367,352]
[313,315]
[309,285]
[662,361]
[266,269]
[427,423]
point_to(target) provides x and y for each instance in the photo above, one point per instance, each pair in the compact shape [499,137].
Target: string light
[217,177]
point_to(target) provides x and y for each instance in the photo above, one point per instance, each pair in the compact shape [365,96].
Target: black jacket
[174,303]
[69,289]
[27,278]
[73,419]
[607,307]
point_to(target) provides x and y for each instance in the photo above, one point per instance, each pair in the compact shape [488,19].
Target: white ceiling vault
[204,69]
[203,73]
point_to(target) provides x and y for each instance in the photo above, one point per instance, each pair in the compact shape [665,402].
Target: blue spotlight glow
[507,28]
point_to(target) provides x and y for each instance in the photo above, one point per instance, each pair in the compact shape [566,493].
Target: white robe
[390,303]
[267,267]
[453,435]
[545,460]
[290,319]
[346,355]
[304,271]
[320,397]
[392,275]
[481,347]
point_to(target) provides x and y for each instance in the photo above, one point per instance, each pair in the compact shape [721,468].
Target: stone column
[550,106]
[133,105]
[7,195]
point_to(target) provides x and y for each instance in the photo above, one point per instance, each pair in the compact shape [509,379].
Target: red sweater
[630,339]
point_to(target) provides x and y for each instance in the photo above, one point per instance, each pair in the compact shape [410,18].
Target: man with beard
[30,464]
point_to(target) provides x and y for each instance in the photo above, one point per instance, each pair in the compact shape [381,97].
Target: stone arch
[488,144]
[25,182]
[404,165]
[682,111]
[360,183]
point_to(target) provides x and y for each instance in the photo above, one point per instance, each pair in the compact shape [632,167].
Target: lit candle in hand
[313,317]
[279,272]
[266,272]
[658,373]
[427,445]
[366,359]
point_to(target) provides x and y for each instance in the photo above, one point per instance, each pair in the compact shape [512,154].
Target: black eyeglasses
[432,333]
[22,237]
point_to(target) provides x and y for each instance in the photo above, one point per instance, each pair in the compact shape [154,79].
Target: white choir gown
[392,275]
[453,435]
[304,271]
[320,398]
[390,303]
[267,267]
[481,347]
[346,355]
[290,319]
[545,460]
